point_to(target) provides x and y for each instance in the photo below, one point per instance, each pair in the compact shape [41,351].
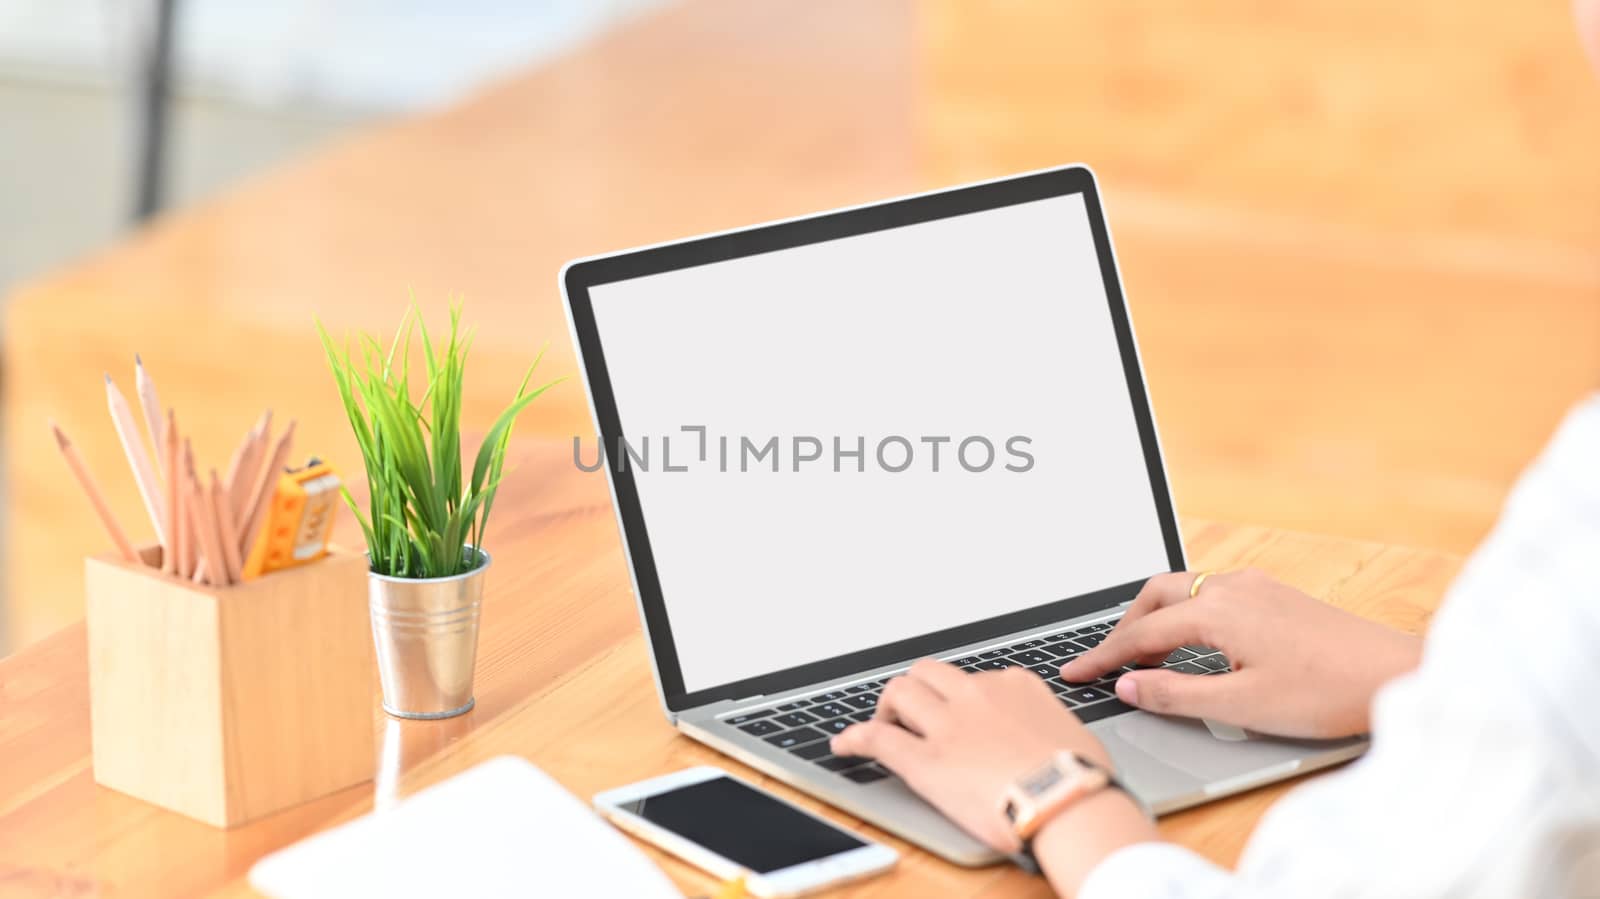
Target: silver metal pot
[426,634]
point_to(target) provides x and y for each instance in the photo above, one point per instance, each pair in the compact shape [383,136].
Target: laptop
[919,428]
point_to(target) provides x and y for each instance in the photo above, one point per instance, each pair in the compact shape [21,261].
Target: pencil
[258,455]
[227,531]
[150,404]
[235,465]
[169,449]
[264,425]
[266,486]
[205,524]
[242,468]
[98,500]
[138,459]
[195,506]
[186,554]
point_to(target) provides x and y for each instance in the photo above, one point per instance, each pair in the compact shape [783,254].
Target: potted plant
[424,521]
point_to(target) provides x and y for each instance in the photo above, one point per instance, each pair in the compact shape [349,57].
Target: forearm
[1079,838]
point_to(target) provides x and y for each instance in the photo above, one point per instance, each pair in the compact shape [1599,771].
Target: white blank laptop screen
[992,325]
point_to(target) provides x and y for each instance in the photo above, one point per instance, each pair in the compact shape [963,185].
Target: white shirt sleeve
[1157,870]
[1484,773]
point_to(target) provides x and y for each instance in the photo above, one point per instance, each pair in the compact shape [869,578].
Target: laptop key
[1056,638]
[792,738]
[1090,640]
[1088,694]
[760,727]
[1063,650]
[866,774]
[1031,657]
[1178,655]
[972,668]
[859,688]
[1102,626]
[861,716]
[842,762]
[836,725]
[964,661]
[865,701]
[1045,671]
[795,719]
[1212,663]
[994,654]
[812,751]
[747,717]
[830,709]
[994,665]
[1088,713]
[828,697]
[1030,644]
[1186,668]
[791,706]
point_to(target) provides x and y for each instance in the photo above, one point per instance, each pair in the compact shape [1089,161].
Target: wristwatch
[1062,782]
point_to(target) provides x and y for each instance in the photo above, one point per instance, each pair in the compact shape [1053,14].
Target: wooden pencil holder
[229,703]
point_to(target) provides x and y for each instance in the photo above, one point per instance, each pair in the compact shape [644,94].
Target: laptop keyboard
[804,726]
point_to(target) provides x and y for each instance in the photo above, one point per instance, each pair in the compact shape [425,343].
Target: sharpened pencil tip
[108,377]
[61,437]
[137,361]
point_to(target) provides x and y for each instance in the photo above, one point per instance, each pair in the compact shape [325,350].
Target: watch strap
[1029,863]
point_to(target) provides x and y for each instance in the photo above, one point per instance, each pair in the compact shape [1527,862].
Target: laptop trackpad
[1189,745]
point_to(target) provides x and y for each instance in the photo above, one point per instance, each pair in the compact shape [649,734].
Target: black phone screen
[742,824]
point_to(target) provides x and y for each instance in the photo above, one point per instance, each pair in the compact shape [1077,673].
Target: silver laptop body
[701,609]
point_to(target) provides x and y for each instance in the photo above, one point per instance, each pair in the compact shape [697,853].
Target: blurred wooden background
[1359,238]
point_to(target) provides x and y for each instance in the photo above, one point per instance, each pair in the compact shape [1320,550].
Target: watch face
[1042,793]
[1043,780]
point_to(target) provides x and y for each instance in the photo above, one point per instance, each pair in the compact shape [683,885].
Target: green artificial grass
[422,516]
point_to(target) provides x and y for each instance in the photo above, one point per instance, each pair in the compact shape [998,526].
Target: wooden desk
[563,679]
[1355,237]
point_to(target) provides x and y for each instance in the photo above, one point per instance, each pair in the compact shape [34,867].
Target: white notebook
[501,829]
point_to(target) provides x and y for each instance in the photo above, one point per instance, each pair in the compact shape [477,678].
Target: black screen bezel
[580,276]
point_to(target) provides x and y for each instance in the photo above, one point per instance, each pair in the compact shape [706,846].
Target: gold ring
[1194,588]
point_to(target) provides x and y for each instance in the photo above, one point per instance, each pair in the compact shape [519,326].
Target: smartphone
[729,828]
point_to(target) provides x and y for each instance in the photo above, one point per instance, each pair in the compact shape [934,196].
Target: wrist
[1407,656]
[1078,838]
[1401,656]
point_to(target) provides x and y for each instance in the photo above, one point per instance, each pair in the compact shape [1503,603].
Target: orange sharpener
[299,523]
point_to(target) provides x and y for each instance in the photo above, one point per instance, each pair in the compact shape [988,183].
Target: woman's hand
[961,739]
[1301,668]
